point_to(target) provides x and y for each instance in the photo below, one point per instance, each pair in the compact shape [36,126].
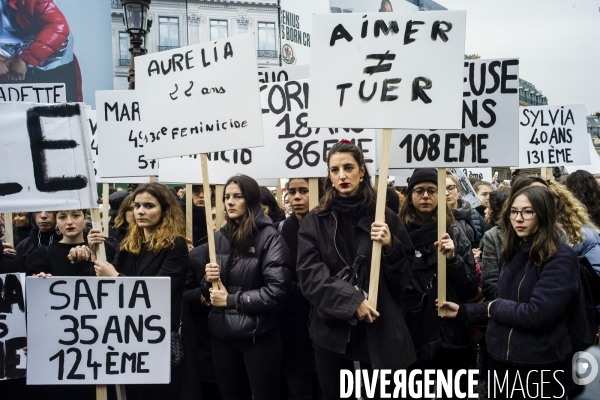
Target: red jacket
[43,19]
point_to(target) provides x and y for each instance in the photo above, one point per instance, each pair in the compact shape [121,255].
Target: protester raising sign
[46,160]
[292,150]
[387,70]
[34,93]
[121,136]
[200,98]
[98,331]
[13,331]
[551,136]
[490,121]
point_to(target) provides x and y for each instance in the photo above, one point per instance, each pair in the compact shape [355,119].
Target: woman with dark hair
[493,242]
[123,219]
[454,348]
[344,327]
[586,189]
[253,278]
[271,207]
[22,227]
[537,294]
[155,246]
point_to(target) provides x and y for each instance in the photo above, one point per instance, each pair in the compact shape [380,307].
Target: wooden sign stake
[279,194]
[441,231]
[99,253]
[380,215]
[105,207]
[8,228]
[313,193]
[207,209]
[219,205]
[188,211]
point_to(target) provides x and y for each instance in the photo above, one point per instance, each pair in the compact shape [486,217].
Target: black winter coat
[527,324]
[461,283]
[9,263]
[462,218]
[480,227]
[258,284]
[322,253]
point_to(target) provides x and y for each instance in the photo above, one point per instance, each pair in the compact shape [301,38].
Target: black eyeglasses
[421,192]
[525,214]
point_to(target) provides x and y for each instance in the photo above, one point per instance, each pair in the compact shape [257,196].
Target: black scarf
[423,234]
[351,206]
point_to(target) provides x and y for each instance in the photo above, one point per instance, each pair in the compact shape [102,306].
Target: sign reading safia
[98,331]
[46,160]
[387,70]
[200,98]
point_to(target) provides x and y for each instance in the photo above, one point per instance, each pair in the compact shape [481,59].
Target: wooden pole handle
[441,231]
[212,254]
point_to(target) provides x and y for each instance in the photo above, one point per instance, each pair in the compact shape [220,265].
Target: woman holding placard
[440,344]
[537,298]
[154,246]
[253,278]
[336,237]
[71,255]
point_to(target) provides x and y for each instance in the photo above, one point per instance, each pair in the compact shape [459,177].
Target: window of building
[168,33]
[124,54]
[218,29]
[266,39]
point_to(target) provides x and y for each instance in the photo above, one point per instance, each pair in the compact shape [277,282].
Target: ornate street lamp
[138,25]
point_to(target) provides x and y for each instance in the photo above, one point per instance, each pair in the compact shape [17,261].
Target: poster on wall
[57,41]
[350,6]
[295,28]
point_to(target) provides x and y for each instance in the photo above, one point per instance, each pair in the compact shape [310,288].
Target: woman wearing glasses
[440,344]
[344,327]
[537,289]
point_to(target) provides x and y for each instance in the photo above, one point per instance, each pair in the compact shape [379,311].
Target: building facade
[178,23]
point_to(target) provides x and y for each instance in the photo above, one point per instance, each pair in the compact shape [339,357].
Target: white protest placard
[92,128]
[484,174]
[42,93]
[283,74]
[295,23]
[593,167]
[292,150]
[467,192]
[98,331]
[121,136]
[46,160]
[13,330]
[490,124]
[552,136]
[388,70]
[200,98]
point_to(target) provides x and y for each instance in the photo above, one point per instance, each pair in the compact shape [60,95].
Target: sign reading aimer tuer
[201,98]
[552,136]
[46,160]
[98,331]
[387,70]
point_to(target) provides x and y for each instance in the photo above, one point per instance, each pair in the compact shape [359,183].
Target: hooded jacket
[257,284]
[462,216]
[323,251]
[526,325]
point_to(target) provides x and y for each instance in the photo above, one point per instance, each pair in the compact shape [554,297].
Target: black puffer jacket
[323,251]
[462,217]
[461,283]
[480,227]
[258,284]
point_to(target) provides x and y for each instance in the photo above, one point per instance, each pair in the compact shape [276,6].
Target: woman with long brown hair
[344,327]
[537,295]
[154,246]
[253,278]
[585,188]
